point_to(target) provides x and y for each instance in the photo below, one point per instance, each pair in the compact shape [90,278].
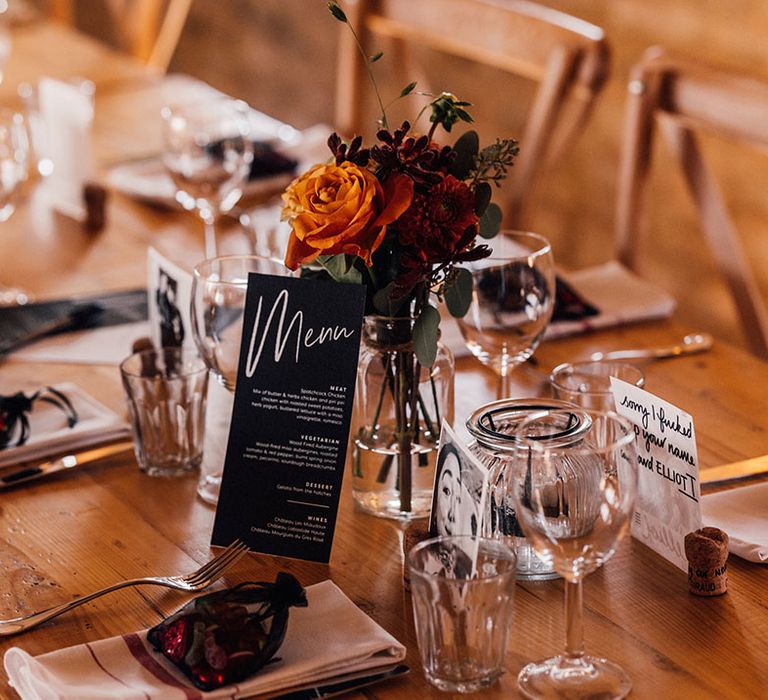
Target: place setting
[393,442]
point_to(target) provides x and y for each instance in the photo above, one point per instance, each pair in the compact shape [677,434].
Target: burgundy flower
[437,222]
[421,160]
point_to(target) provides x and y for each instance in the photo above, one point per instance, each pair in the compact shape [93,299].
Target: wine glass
[219,287]
[208,153]
[574,503]
[14,160]
[512,300]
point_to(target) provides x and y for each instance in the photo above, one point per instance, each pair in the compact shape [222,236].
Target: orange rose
[343,208]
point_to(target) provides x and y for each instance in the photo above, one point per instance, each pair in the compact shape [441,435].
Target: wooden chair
[152,27]
[567,57]
[682,97]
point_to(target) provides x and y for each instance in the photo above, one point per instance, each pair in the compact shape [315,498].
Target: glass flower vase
[399,409]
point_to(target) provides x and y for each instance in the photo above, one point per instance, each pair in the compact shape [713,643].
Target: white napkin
[620,295]
[97,346]
[329,638]
[50,434]
[743,514]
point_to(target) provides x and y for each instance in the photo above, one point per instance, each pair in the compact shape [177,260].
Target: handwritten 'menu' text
[304,338]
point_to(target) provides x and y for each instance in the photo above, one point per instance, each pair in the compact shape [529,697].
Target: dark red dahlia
[436,223]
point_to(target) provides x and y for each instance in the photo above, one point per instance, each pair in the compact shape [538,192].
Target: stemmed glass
[512,302]
[574,503]
[208,153]
[219,289]
[14,165]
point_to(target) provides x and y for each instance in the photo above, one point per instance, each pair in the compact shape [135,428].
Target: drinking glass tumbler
[462,617]
[588,384]
[166,393]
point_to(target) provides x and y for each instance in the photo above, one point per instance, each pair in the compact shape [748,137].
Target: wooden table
[68,535]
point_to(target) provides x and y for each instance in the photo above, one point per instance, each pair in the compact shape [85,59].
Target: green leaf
[341,269]
[376,57]
[337,12]
[490,221]
[382,300]
[458,296]
[482,197]
[408,89]
[466,148]
[425,335]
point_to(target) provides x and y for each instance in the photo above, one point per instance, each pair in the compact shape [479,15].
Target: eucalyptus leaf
[490,221]
[340,269]
[425,335]
[408,89]
[466,148]
[382,300]
[458,296]
[483,195]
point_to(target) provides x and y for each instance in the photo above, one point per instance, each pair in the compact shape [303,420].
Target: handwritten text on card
[667,505]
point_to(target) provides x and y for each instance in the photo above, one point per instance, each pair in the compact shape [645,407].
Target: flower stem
[427,420]
[384,385]
[405,444]
[437,407]
[360,48]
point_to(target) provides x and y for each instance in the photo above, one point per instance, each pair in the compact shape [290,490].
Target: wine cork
[414,532]
[95,200]
[707,551]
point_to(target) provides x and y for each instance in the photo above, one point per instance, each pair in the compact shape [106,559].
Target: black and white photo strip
[459,496]
[169,295]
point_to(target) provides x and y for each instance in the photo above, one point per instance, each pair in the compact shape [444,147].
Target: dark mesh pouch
[227,636]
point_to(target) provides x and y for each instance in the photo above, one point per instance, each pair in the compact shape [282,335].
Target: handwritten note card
[290,421]
[667,506]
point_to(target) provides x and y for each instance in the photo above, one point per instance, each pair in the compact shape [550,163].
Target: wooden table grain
[70,534]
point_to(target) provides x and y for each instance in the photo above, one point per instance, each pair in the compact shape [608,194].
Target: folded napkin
[596,297]
[743,514]
[329,638]
[49,433]
[619,295]
[20,325]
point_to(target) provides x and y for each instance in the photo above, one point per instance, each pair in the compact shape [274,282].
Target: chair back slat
[677,98]
[567,57]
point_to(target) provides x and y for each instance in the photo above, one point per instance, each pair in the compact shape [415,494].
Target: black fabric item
[20,325]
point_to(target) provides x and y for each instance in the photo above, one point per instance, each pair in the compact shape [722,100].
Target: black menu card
[290,421]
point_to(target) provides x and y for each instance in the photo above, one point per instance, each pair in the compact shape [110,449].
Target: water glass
[588,384]
[166,393]
[462,616]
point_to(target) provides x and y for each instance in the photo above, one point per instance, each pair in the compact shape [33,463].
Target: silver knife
[344,684]
[25,474]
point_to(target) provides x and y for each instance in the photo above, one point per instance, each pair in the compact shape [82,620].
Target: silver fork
[196,581]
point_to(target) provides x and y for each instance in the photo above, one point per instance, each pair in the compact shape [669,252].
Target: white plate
[49,433]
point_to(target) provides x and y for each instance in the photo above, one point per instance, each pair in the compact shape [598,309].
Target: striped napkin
[329,638]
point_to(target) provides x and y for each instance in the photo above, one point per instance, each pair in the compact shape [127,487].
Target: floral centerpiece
[400,217]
